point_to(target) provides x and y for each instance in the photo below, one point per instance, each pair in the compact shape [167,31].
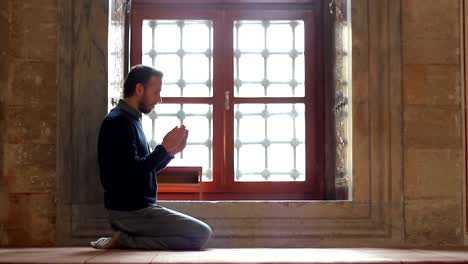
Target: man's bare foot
[107,242]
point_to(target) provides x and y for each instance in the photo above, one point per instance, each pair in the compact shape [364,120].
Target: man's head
[143,84]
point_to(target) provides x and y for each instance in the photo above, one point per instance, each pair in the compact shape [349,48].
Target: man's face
[151,95]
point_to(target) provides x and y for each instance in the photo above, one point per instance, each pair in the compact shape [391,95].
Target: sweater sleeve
[163,164]
[124,140]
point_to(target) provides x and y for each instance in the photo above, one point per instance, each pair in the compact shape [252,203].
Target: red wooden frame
[223,185]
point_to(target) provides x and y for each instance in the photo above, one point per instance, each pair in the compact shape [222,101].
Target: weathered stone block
[434,222]
[30,168]
[432,84]
[431,173]
[33,83]
[32,178]
[3,205]
[34,29]
[27,154]
[31,219]
[5,33]
[33,11]
[434,51]
[432,127]
[431,19]
[431,31]
[31,124]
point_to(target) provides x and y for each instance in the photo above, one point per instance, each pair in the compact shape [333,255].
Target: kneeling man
[127,172]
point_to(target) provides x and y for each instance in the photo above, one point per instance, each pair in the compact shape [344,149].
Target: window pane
[170,65]
[280,158]
[279,68]
[280,36]
[197,90]
[299,37]
[252,90]
[280,90]
[196,36]
[251,158]
[299,74]
[182,50]
[196,68]
[269,142]
[166,36]
[280,127]
[256,128]
[170,90]
[269,54]
[249,36]
[251,68]
[198,120]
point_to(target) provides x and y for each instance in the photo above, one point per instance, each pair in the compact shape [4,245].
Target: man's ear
[139,89]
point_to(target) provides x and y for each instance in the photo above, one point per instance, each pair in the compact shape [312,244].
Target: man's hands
[175,140]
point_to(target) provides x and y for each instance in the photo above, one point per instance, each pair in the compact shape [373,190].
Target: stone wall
[433,131]
[28,85]
[4,62]
[433,124]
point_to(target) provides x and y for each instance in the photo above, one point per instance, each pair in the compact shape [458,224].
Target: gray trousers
[159,228]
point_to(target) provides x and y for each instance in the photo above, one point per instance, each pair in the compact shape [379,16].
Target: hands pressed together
[175,140]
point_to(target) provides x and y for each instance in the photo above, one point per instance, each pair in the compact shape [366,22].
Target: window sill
[184,183]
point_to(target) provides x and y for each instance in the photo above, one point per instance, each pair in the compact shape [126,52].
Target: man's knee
[204,234]
[206,230]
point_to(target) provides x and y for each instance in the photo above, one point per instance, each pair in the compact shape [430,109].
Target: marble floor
[236,255]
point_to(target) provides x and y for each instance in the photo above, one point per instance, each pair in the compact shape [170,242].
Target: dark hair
[138,74]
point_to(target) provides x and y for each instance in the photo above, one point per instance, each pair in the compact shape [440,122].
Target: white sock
[107,242]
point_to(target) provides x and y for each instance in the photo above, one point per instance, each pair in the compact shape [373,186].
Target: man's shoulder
[117,115]
[116,119]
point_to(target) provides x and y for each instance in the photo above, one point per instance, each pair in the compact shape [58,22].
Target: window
[182,49]
[248,82]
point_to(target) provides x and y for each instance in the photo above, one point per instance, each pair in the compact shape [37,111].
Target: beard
[145,108]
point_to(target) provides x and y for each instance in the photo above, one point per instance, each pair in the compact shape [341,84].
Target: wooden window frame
[223,13]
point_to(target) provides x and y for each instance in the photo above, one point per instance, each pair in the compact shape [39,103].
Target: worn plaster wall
[433,135]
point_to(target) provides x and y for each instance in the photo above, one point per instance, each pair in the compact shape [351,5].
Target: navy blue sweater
[127,165]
